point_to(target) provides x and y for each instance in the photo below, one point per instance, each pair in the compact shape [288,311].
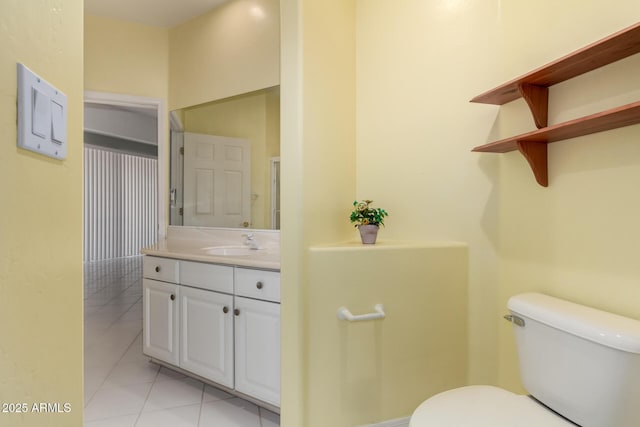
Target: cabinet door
[206,334]
[160,324]
[257,340]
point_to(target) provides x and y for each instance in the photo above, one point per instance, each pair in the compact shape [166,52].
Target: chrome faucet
[251,241]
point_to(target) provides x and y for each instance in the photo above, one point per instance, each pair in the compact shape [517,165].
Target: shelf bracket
[536,155]
[537,97]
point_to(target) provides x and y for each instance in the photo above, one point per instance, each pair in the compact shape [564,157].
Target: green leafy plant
[364,214]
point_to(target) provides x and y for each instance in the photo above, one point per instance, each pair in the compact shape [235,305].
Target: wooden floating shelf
[606,120]
[617,46]
[533,87]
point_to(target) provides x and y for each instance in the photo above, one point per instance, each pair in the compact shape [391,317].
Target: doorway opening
[124,163]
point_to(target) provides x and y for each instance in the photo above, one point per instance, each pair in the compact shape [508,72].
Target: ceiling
[160,13]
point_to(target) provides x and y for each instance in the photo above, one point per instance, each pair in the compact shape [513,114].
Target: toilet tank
[581,362]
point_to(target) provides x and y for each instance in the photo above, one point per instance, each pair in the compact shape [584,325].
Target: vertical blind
[120,204]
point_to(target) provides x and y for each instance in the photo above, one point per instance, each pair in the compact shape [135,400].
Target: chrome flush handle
[515,319]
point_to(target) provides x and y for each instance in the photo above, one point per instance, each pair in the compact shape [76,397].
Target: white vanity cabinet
[160,309]
[160,314]
[257,341]
[206,321]
[257,335]
[219,322]
[206,334]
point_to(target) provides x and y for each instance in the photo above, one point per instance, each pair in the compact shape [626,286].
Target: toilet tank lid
[599,326]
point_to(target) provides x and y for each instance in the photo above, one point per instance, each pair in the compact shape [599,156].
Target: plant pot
[368,233]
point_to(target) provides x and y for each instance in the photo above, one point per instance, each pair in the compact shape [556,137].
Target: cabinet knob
[172,297]
[225,309]
[236,312]
[259,285]
[157,269]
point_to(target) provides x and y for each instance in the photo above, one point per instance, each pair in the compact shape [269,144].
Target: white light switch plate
[42,115]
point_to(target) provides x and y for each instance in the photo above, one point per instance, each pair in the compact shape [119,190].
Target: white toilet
[581,366]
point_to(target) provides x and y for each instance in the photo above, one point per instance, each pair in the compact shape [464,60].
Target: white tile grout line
[168,409]
[123,354]
[114,367]
[201,404]
[150,388]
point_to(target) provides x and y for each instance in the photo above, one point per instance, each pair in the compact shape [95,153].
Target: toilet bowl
[484,406]
[580,365]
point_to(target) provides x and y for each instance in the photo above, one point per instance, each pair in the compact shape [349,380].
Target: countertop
[196,250]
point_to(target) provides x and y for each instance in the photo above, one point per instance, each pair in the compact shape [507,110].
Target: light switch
[42,115]
[58,123]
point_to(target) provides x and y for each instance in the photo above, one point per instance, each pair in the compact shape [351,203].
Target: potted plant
[368,220]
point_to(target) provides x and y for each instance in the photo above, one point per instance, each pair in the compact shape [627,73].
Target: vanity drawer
[207,276]
[163,269]
[259,284]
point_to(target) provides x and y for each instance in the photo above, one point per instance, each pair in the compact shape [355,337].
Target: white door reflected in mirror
[217,178]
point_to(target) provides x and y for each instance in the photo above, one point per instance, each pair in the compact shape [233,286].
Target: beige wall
[292,246]
[126,58]
[418,65]
[577,239]
[231,50]
[255,117]
[130,59]
[366,372]
[41,222]
[318,166]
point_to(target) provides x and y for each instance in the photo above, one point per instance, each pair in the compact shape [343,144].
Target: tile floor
[122,388]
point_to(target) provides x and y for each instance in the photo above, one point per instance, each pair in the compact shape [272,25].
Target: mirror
[225,162]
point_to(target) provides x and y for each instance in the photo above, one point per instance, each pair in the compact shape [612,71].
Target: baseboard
[399,422]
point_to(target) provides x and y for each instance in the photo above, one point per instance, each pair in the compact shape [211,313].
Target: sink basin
[231,251]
